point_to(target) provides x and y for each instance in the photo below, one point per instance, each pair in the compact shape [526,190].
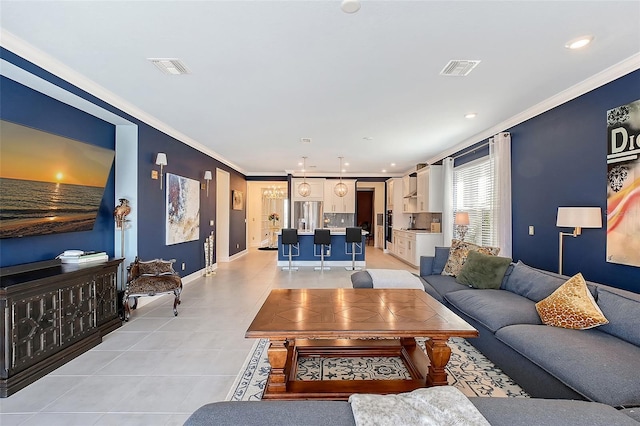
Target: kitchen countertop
[417,231]
[334,231]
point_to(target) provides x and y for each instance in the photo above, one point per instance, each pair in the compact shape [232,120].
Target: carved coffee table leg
[438,352]
[277,353]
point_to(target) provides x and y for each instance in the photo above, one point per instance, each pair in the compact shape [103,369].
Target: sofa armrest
[426,265]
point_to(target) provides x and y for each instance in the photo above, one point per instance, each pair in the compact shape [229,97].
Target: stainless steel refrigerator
[307,215]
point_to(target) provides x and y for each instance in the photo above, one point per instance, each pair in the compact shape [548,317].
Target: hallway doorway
[365,211]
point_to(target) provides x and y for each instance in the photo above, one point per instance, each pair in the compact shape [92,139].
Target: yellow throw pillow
[458,255]
[571,306]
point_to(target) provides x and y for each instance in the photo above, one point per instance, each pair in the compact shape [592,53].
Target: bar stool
[290,238]
[322,238]
[354,237]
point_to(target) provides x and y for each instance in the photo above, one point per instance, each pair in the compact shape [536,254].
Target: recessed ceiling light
[471,115]
[350,6]
[346,164]
[384,170]
[393,164]
[579,42]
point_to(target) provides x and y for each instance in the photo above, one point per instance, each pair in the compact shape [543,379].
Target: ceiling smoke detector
[459,67]
[170,66]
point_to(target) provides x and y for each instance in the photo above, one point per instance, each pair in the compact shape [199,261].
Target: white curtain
[447,210]
[500,155]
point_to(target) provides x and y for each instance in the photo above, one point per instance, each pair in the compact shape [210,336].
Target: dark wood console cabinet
[51,313]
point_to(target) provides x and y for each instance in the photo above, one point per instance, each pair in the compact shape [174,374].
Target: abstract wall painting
[183,209]
[237,200]
[623,188]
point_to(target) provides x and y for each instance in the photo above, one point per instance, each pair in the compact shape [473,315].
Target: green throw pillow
[483,270]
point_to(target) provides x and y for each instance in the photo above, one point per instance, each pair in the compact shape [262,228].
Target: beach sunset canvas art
[48,183]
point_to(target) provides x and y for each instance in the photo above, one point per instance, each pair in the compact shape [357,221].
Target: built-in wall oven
[389,228]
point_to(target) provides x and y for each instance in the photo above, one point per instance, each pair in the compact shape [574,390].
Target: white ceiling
[267,73]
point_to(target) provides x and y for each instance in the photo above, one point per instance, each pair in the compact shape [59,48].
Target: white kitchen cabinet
[430,189]
[379,241]
[390,187]
[335,204]
[317,189]
[410,245]
[409,197]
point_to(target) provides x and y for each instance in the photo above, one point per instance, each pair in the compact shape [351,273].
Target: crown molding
[618,70]
[57,68]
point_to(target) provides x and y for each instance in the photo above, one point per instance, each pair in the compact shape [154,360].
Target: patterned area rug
[468,370]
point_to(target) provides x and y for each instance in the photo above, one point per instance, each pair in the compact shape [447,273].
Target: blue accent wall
[22,105]
[559,158]
[25,106]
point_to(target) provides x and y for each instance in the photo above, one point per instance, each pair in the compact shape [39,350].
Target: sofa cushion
[494,309]
[278,413]
[598,365]
[571,306]
[361,279]
[549,412]
[532,283]
[483,270]
[440,259]
[622,309]
[458,255]
[444,284]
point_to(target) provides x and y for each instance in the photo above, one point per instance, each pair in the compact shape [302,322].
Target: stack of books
[85,257]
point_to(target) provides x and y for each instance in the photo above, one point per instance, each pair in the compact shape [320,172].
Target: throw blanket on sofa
[441,405]
[394,278]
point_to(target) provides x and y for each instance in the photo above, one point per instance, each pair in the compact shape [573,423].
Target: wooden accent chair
[150,278]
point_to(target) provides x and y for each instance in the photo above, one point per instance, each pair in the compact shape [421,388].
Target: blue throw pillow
[534,284]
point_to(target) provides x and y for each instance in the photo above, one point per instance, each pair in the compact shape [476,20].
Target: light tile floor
[157,369]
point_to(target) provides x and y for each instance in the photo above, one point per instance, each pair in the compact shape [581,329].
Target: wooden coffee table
[354,322]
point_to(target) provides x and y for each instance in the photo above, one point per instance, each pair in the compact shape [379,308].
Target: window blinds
[473,193]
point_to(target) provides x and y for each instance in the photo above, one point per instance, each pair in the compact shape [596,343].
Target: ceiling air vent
[459,67]
[305,140]
[170,66]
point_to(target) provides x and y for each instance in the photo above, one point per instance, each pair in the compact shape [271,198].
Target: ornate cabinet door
[106,295]
[77,304]
[35,329]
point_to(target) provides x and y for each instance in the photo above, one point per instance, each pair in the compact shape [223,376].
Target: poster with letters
[623,189]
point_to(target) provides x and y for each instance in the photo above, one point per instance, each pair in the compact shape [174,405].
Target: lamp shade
[161,159]
[207,175]
[579,217]
[462,218]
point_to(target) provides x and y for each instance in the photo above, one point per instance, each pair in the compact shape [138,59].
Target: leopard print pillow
[458,255]
[571,306]
[156,267]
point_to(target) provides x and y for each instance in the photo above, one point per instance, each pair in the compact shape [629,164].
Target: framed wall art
[183,209]
[623,189]
[237,200]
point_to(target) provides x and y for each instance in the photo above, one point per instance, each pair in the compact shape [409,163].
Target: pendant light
[304,189]
[341,189]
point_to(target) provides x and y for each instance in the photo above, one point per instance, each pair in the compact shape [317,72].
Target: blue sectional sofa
[601,364]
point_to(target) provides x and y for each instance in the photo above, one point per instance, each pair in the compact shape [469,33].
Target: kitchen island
[338,254]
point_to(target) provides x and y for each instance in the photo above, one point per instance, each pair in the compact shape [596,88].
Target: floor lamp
[576,218]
